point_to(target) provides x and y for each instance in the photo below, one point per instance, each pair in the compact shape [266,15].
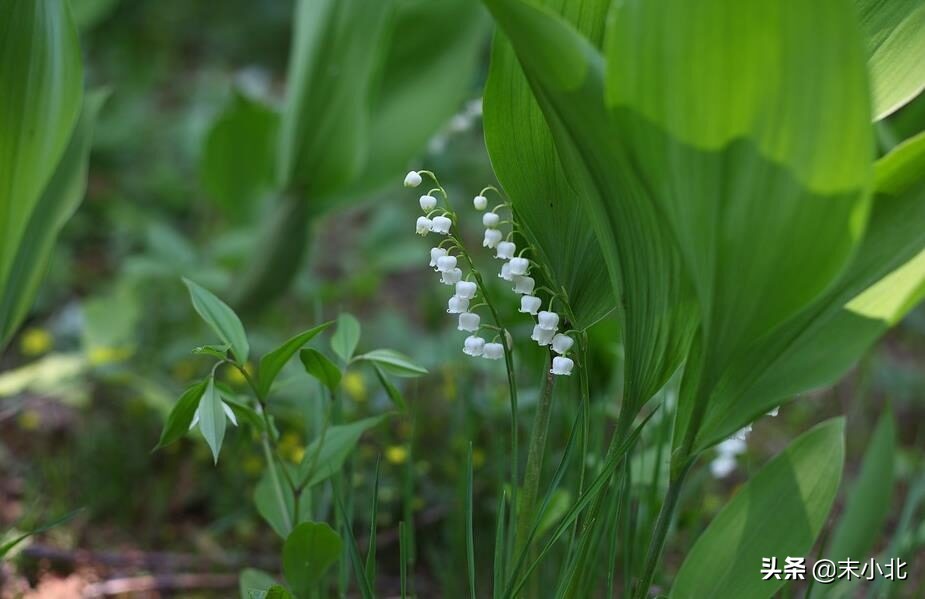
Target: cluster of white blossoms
[727,451]
[515,268]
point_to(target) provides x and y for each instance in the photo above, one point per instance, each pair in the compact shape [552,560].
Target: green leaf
[41,102]
[308,552]
[895,32]
[221,319]
[870,499]
[219,352]
[238,156]
[252,581]
[390,389]
[346,336]
[525,160]
[181,415]
[278,592]
[325,124]
[212,418]
[320,367]
[268,504]
[59,199]
[339,442]
[778,513]
[273,362]
[393,362]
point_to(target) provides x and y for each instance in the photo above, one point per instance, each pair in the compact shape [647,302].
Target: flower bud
[490,220]
[480,202]
[428,203]
[412,179]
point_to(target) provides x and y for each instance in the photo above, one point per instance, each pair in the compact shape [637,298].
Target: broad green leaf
[40,106]
[390,389]
[524,158]
[88,13]
[756,147]
[219,352]
[252,581]
[221,319]
[212,418]
[59,199]
[325,124]
[181,415]
[273,362]
[895,32]
[869,500]
[319,366]
[346,336]
[310,549]
[278,592]
[565,71]
[268,503]
[339,442]
[778,513]
[238,156]
[393,362]
[884,282]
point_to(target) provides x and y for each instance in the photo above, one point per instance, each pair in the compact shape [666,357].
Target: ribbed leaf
[524,158]
[895,32]
[778,513]
[883,283]
[41,75]
[220,318]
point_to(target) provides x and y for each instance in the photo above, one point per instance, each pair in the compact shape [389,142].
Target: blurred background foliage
[86,383]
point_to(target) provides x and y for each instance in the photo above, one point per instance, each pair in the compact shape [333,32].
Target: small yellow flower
[396,454]
[101,355]
[252,465]
[235,377]
[29,420]
[35,341]
[296,455]
[478,457]
[355,386]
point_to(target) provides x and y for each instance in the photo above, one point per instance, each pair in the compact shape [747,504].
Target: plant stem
[534,466]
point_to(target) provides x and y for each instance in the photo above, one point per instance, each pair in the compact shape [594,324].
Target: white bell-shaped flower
[428,203]
[561,344]
[722,466]
[732,446]
[493,351]
[441,225]
[469,321]
[436,254]
[480,202]
[529,304]
[466,289]
[473,346]
[412,179]
[451,277]
[490,220]
[446,263]
[562,366]
[506,272]
[548,320]
[524,285]
[457,305]
[506,250]
[492,238]
[423,226]
[519,266]
[542,336]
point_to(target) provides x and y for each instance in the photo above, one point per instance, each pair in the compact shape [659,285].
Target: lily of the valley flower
[436,254]
[725,461]
[506,250]
[492,238]
[493,351]
[542,336]
[480,202]
[451,277]
[446,263]
[519,266]
[469,321]
[441,225]
[561,344]
[474,346]
[548,320]
[423,226]
[466,289]
[529,304]
[457,305]
[562,366]
[524,285]
[428,203]
[490,220]
[412,179]
[506,272]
